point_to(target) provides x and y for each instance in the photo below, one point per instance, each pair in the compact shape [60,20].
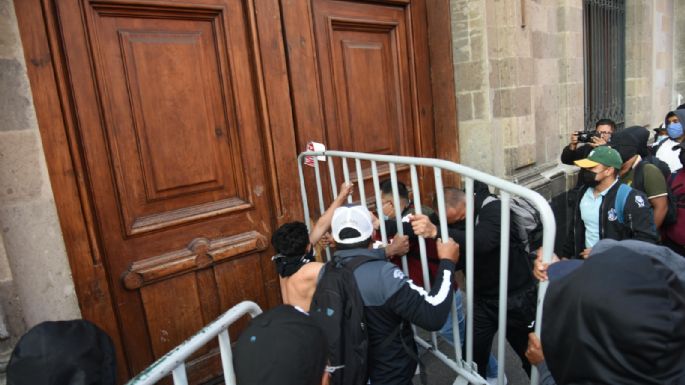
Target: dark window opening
[604,45]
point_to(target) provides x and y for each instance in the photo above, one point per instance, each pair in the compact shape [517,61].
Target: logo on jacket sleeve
[612,214]
[639,201]
[398,274]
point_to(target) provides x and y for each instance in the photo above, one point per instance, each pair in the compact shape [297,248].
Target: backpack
[639,184]
[526,219]
[337,307]
[620,201]
[525,222]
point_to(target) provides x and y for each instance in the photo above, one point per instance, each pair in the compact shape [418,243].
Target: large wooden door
[171,130]
[165,102]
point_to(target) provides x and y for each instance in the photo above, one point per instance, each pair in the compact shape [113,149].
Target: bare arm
[324,223]
[660,206]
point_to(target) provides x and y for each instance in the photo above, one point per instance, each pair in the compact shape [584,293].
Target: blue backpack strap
[620,202]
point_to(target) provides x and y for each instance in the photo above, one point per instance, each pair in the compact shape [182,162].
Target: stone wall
[679,52]
[519,82]
[35,278]
[649,61]
[519,78]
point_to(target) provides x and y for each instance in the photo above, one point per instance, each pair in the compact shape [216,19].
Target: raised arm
[324,223]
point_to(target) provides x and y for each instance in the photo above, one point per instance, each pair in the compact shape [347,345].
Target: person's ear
[450,212]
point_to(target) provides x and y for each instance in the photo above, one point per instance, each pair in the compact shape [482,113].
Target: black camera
[586,136]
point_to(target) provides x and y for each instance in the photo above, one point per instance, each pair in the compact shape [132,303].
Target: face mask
[587,177]
[287,266]
[660,138]
[386,217]
[675,130]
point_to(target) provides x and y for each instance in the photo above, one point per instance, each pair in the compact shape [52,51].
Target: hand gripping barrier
[465,369]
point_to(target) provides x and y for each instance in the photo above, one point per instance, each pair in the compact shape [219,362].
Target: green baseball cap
[603,155]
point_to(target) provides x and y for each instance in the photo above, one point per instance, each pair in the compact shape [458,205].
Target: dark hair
[606,122]
[386,188]
[453,196]
[671,113]
[348,233]
[291,239]
[681,107]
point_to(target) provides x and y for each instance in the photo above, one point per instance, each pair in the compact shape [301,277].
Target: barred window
[604,45]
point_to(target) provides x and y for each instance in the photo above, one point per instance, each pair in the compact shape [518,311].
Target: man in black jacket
[576,151]
[392,302]
[604,212]
[522,292]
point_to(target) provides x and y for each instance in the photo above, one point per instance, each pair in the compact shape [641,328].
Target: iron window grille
[604,63]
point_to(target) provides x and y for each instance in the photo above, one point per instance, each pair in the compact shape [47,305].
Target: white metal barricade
[174,361]
[464,368]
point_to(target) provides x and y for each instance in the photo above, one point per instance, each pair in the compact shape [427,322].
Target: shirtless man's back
[298,289]
[297,269]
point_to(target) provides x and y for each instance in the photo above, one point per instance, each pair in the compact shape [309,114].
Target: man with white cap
[392,302]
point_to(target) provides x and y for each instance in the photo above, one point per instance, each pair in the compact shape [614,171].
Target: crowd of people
[615,307]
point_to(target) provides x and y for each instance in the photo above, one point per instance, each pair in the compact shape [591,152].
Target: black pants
[520,314]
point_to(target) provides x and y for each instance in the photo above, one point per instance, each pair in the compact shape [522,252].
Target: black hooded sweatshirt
[619,318]
[486,240]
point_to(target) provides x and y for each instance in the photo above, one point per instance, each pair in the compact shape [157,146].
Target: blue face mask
[386,218]
[675,130]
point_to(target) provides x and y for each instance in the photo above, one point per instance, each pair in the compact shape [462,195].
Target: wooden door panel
[363,53]
[175,163]
[172,309]
[173,145]
[233,289]
[371,103]
[365,71]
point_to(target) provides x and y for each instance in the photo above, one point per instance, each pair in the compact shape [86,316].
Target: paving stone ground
[440,374]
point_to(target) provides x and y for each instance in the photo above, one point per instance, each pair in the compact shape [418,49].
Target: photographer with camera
[582,142]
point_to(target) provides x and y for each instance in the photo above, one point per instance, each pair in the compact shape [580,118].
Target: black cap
[63,352]
[282,346]
[618,318]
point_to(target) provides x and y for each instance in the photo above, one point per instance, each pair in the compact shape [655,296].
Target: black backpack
[639,184]
[526,224]
[337,307]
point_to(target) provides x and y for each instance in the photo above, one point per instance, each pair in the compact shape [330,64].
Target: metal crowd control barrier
[465,369]
[174,361]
